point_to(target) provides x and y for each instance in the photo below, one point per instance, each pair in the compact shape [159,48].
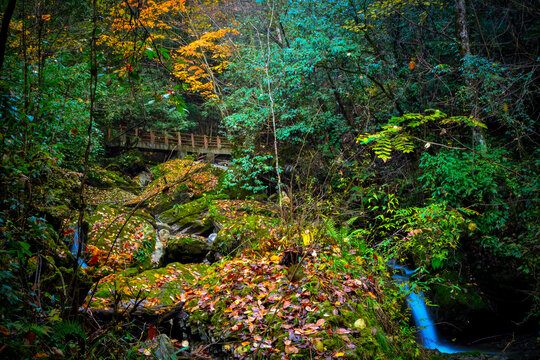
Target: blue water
[75,248]
[420,313]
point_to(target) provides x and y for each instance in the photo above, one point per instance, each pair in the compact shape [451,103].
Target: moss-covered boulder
[251,307]
[152,287]
[192,217]
[248,231]
[104,178]
[185,249]
[119,238]
[177,181]
[222,211]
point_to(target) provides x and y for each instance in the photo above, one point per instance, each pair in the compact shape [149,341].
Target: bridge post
[166,140]
[179,140]
[205,142]
[218,143]
[109,136]
[192,140]
[152,137]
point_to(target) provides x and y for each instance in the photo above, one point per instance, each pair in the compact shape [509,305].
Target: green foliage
[152,102]
[485,185]
[250,172]
[398,134]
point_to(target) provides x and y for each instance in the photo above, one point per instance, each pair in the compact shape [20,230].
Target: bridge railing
[169,138]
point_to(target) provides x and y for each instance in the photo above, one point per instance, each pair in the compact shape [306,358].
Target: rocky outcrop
[185,249]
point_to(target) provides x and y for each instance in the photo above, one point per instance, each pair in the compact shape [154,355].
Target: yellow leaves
[307,237]
[46,17]
[192,62]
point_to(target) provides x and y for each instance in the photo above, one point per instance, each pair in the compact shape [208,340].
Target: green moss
[155,287]
[253,231]
[223,211]
[193,214]
[185,249]
[103,178]
[130,236]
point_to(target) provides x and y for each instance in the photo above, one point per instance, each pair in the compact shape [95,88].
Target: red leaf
[93,260]
[31,337]
[375,257]
[68,231]
[151,332]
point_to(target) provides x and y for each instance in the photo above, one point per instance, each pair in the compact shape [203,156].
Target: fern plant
[396,135]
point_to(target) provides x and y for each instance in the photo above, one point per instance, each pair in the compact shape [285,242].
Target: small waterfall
[75,248]
[161,236]
[212,237]
[420,313]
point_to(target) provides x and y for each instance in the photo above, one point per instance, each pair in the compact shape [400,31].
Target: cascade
[420,313]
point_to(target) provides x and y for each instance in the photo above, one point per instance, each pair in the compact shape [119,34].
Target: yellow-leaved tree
[179,35]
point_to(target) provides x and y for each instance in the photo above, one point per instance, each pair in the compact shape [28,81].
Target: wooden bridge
[169,141]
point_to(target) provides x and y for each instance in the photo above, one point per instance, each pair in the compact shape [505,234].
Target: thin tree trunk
[463,36]
[8,14]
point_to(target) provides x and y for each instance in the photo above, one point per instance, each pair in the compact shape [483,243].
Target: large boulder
[253,231]
[223,211]
[119,238]
[191,217]
[155,287]
[185,249]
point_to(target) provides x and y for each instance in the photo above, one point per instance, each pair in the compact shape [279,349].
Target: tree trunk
[463,36]
[462,31]
[5,30]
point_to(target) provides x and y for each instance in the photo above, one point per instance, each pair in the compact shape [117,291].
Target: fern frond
[69,328]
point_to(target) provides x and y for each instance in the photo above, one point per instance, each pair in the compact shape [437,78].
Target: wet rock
[164,349]
[176,182]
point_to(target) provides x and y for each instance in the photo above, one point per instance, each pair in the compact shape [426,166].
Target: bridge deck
[181,142]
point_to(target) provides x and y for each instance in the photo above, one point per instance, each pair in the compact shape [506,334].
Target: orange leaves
[196,63]
[199,61]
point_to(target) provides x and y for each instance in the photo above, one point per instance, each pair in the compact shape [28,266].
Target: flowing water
[421,316]
[75,248]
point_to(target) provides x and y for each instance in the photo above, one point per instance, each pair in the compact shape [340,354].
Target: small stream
[422,319]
